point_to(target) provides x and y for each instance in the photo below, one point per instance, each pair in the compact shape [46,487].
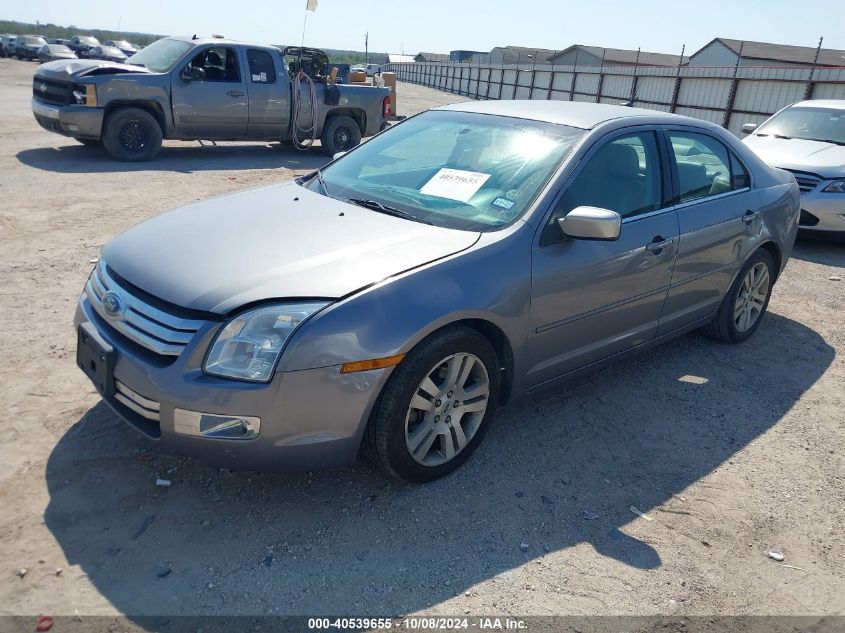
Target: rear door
[215,104]
[719,225]
[593,299]
[269,95]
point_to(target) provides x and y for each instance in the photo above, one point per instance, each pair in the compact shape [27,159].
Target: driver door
[593,299]
[214,102]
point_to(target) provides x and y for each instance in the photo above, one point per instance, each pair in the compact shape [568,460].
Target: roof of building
[625,56]
[514,53]
[396,58]
[781,52]
[573,113]
[434,57]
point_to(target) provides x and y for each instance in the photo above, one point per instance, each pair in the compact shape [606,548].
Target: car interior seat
[213,66]
[611,180]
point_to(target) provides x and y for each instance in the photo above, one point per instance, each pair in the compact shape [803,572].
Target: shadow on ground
[820,249]
[556,470]
[78,159]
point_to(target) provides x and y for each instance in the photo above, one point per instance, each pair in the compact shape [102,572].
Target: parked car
[370,69]
[808,139]
[393,300]
[27,46]
[57,40]
[107,53]
[183,88]
[7,45]
[52,52]
[125,47]
[81,44]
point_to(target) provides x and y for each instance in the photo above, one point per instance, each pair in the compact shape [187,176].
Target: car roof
[573,113]
[821,103]
[220,40]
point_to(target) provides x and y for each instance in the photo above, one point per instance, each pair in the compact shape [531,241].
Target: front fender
[489,282]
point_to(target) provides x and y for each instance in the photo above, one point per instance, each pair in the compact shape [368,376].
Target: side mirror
[338,155]
[189,73]
[591,223]
[748,128]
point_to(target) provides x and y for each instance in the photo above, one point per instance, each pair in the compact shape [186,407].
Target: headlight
[249,346]
[85,94]
[837,186]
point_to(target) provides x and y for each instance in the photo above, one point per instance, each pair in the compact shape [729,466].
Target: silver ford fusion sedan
[390,302]
[808,139]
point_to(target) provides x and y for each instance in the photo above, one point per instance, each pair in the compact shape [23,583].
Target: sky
[439,26]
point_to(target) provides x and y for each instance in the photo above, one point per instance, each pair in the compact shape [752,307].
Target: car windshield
[34,41]
[88,40]
[161,55]
[122,44]
[58,48]
[459,170]
[111,50]
[815,124]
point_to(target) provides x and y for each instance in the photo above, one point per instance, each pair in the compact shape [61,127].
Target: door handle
[235,93]
[657,245]
[749,216]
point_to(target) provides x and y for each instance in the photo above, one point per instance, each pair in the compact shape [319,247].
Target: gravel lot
[744,457]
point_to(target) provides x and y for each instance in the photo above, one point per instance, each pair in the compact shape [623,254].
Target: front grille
[153,328]
[807,219]
[146,408]
[52,91]
[806,182]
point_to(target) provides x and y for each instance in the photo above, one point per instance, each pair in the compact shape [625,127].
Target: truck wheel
[340,134]
[132,134]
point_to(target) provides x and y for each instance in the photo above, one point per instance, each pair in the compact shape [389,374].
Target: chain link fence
[729,96]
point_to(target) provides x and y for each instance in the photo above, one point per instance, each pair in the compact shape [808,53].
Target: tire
[132,135]
[728,324]
[90,142]
[395,423]
[340,134]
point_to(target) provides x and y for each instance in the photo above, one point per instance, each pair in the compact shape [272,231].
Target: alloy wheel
[447,409]
[751,298]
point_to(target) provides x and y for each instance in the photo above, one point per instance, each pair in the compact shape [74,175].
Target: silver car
[808,139]
[390,302]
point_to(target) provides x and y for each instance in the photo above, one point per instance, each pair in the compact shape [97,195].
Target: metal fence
[729,96]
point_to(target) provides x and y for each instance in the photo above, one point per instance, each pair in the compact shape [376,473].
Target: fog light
[224,427]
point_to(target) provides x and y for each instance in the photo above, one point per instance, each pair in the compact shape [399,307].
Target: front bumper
[78,121]
[822,212]
[308,419]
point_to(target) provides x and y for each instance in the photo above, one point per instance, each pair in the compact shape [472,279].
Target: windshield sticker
[455,184]
[504,203]
[512,194]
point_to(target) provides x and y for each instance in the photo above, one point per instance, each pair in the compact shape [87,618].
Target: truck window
[261,68]
[217,64]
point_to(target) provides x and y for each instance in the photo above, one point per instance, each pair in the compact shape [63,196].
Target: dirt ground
[731,451]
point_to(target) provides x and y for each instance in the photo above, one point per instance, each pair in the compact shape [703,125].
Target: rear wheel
[132,134]
[746,302]
[436,406]
[340,134]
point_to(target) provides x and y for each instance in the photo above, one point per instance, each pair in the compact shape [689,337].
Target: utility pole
[367,46]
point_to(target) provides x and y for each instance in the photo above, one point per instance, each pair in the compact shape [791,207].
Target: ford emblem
[112,304]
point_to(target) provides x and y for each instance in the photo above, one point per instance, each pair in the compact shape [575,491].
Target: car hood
[276,242]
[76,69]
[824,159]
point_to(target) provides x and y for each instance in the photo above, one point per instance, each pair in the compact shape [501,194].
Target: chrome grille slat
[146,325]
[806,182]
[146,408]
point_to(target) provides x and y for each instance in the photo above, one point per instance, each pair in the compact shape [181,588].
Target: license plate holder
[95,357]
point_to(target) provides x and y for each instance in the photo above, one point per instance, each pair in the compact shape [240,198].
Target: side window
[739,174]
[705,167]
[623,175]
[217,64]
[261,69]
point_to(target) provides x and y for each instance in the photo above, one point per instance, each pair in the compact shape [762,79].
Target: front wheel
[132,134]
[436,406]
[340,134]
[744,305]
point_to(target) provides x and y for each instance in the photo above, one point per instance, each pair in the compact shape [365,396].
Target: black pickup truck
[206,89]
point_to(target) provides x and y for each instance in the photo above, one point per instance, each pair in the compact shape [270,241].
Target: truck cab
[202,89]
